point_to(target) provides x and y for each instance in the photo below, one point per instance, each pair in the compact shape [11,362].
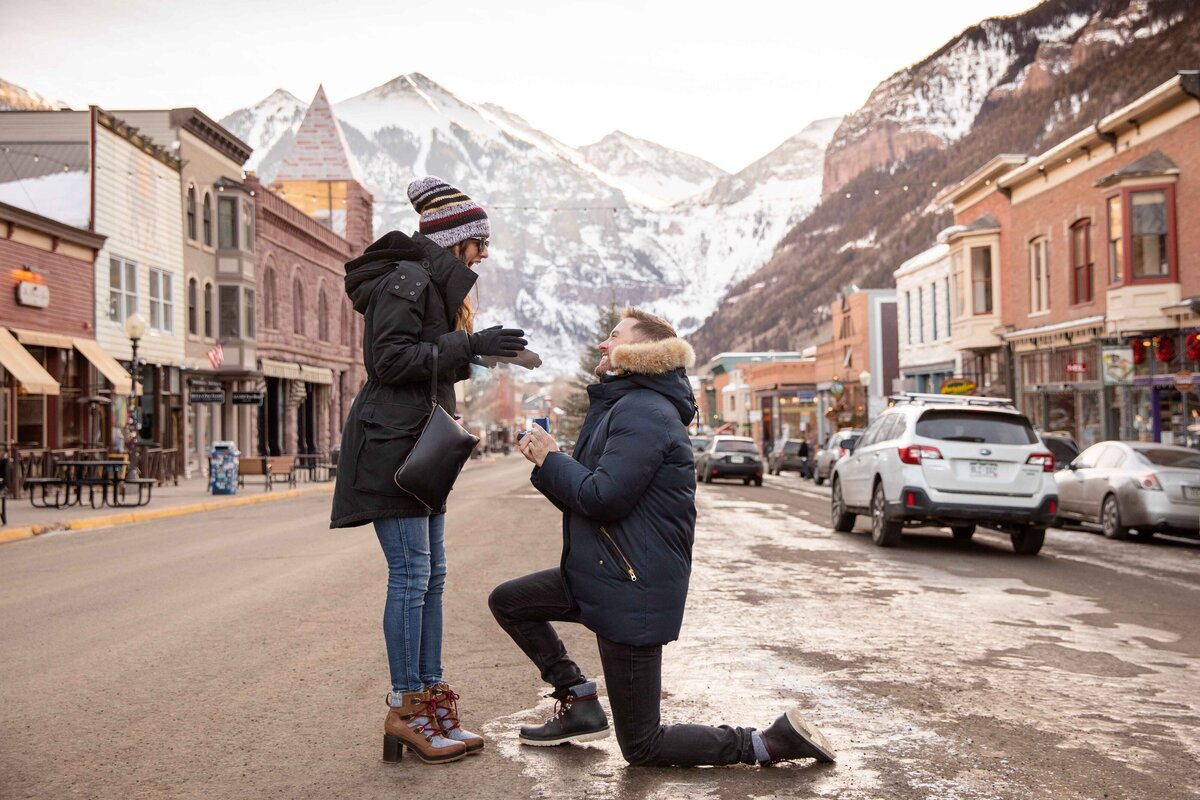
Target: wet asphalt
[237,654]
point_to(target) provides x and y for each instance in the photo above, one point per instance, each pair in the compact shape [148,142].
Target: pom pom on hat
[447,215]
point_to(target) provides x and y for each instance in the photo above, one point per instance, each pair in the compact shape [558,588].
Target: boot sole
[814,737]
[394,749]
[576,738]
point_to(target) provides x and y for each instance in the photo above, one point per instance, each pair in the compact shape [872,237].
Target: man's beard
[602,368]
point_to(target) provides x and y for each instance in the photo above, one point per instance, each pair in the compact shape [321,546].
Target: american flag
[216,356]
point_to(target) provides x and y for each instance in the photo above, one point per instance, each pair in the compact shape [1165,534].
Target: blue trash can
[223,468]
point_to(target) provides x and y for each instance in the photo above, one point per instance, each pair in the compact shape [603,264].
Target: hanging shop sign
[247,398]
[34,295]
[958,386]
[836,389]
[1117,364]
[207,397]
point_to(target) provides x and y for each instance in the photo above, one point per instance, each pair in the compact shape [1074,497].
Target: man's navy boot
[578,717]
[792,736]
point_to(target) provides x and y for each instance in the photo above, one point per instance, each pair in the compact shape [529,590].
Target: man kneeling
[628,497]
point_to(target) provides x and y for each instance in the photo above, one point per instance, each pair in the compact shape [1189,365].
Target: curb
[149,515]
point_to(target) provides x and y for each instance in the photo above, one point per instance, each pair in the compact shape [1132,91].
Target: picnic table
[106,481]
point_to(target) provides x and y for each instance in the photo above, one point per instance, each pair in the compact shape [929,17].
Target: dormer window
[1142,241]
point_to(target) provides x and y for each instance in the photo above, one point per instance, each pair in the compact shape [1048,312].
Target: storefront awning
[316,375]
[24,367]
[108,366]
[280,369]
[43,339]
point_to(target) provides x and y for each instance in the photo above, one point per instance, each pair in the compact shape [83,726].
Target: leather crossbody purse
[441,451]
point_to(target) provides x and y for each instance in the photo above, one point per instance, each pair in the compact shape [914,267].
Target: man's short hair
[653,327]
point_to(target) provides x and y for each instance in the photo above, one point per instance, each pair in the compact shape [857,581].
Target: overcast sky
[727,81]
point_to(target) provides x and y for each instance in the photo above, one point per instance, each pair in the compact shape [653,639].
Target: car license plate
[737,460]
[1191,493]
[984,469]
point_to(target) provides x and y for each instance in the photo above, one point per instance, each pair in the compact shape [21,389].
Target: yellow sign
[958,386]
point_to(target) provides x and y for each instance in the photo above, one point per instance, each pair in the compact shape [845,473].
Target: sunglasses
[482,244]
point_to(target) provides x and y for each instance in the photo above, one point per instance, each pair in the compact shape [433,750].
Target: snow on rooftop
[61,196]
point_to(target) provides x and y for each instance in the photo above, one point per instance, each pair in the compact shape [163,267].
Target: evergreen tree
[577,401]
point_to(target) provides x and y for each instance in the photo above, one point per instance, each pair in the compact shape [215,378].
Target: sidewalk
[189,497]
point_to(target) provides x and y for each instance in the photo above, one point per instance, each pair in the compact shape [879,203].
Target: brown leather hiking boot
[447,711]
[413,725]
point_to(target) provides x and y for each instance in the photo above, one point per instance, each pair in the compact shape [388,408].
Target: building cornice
[196,122]
[144,143]
[51,227]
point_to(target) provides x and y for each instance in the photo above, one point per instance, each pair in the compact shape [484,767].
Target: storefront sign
[836,389]
[207,397]
[958,386]
[806,395]
[247,398]
[1117,361]
[1184,381]
[1077,368]
[34,295]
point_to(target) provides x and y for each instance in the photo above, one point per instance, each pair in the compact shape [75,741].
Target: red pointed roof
[320,151]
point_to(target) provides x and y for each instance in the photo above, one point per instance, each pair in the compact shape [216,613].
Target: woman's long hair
[464,320]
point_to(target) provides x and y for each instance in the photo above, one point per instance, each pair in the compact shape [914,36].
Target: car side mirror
[849,448]
[1072,466]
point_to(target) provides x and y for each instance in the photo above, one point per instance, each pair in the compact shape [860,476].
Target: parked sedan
[789,455]
[1140,486]
[838,446]
[730,457]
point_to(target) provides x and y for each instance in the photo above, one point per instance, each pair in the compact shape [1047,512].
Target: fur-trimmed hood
[653,358]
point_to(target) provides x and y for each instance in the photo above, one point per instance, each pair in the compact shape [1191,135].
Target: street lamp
[135,329]
[864,378]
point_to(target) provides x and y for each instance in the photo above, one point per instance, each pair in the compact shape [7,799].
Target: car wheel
[707,476]
[817,479]
[843,520]
[962,532]
[745,481]
[1110,519]
[1028,541]
[884,532]
[758,481]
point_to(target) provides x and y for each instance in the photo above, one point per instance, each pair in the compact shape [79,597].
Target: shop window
[162,301]
[1081,262]
[230,312]
[191,213]
[227,232]
[208,310]
[1039,274]
[207,220]
[193,312]
[122,288]
[981,280]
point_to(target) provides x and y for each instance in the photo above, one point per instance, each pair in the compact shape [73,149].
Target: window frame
[297,305]
[191,212]
[1088,266]
[1038,252]
[207,220]
[229,320]
[127,299]
[990,283]
[161,291]
[1126,238]
[227,223]
[193,306]
[208,309]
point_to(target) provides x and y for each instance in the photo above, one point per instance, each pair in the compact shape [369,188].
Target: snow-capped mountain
[18,98]
[657,171]
[573,229]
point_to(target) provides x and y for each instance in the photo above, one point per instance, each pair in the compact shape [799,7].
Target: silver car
[1126,486]
[840,444]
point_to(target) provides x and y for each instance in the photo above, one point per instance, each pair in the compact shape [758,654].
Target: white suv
[934,459]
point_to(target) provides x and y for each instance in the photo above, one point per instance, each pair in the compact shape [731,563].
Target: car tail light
[716,472]
[842,452]
[916,453]
[1147,481]
[1053,506]
[1043,460]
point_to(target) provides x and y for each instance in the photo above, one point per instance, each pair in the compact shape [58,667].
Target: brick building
[314,217]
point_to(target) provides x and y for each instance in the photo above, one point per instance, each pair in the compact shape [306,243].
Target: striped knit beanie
[447,215]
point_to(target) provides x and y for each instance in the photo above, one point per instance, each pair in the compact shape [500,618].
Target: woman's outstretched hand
[497,341]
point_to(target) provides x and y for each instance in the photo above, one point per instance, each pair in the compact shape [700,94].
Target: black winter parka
[409,291]
[628,497]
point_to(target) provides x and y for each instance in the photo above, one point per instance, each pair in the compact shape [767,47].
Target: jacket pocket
[617,555]
[384,447]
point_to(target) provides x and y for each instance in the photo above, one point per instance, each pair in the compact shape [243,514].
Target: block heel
[393,749]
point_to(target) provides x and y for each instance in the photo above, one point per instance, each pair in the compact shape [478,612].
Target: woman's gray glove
[497,341]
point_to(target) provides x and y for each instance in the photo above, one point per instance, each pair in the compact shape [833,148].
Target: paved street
[237,654]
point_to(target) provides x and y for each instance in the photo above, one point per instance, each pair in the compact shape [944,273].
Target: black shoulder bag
[441,451]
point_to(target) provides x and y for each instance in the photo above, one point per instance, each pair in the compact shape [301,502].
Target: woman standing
[413,293]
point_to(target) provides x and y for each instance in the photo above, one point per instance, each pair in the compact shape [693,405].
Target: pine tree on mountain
[576,405]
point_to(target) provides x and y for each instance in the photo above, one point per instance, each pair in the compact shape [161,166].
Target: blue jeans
[412,617]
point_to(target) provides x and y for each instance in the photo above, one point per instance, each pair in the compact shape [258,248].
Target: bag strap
[433,377]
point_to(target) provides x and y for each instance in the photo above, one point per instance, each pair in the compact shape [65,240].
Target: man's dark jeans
[526,606]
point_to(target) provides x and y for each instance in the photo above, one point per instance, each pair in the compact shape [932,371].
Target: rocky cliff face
[16,98]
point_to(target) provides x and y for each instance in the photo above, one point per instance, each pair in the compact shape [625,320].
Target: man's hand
[536,445]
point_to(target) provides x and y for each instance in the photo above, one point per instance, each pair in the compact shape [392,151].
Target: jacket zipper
[620,552]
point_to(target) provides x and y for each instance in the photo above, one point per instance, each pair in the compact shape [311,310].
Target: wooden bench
[273,469]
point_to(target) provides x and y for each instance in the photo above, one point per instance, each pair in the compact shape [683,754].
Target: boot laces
[429,728]
[446,699]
